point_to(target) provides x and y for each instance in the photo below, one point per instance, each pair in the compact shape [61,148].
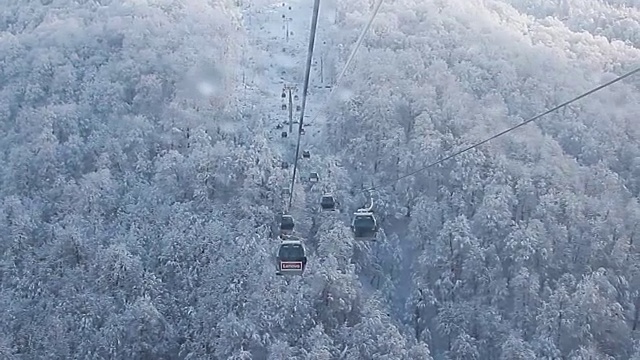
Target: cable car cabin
[301,131]
[298,108]
[285,165]
[284,95]
[284,134]
[284,106]
[286,224]
[328,203]
[306,154]
[313,177]
[286,191]
[291,258]
[364,225]
[295,97]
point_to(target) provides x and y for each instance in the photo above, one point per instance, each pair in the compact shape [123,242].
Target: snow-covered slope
[140,173]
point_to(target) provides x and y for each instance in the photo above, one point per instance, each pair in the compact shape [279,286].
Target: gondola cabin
[306,154]
[286,224]
[364,225]
[291,258]
[313,177]
[327,203]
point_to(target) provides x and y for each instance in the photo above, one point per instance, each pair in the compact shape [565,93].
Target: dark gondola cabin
[364,225]
[284,134]
[291,258]
[286,224]
[328,203]
[306,154]
[313,177]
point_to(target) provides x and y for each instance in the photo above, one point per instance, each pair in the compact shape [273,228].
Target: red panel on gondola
[290,265]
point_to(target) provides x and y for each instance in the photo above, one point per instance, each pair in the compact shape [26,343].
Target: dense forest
[140,181]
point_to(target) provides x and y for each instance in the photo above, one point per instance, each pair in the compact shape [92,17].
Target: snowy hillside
[141,179]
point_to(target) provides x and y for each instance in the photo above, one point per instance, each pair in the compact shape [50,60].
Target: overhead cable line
[314,24]
[312,39]
[556,108]
[363,33]
[358,43]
